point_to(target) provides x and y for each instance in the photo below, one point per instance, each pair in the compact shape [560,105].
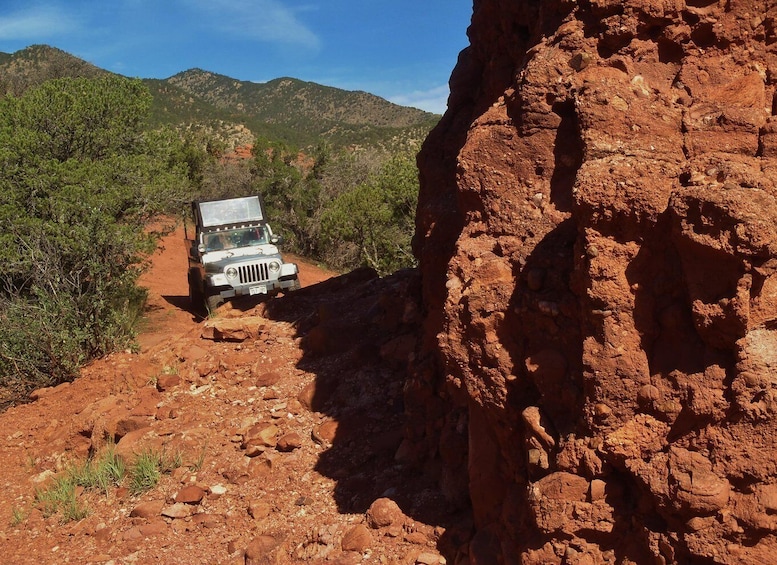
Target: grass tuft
[17,516]
[198,463]
[61,498]
[148,468]
[100,475]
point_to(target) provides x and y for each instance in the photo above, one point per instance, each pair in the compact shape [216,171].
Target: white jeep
[235,253]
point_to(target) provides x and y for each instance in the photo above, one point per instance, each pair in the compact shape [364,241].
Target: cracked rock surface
[596,229]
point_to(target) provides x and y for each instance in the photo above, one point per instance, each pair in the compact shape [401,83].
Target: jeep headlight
[274,267]
[231,272]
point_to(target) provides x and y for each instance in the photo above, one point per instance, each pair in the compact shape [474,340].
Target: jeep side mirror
[276,239]
[201,248]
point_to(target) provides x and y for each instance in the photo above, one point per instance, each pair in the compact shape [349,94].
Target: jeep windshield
[231,212]
[230,239]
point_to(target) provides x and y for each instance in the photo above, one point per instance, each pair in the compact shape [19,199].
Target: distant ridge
[284,109]
[39,63]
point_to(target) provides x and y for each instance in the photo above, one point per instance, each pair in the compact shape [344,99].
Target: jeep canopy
[231,212]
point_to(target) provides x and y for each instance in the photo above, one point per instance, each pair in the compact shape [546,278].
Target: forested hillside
[304,112]
[285,109]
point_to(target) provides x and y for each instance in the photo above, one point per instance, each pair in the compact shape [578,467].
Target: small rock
[254,450]
[294,406]
[698,523]
[325,432]
[580,61]
[261,435]
[417,538]
[207,520]
[177,510]
[132,534]
[103,534]
[393,531]
[181,474]
[237,476]
[43,476]
[193,353]
[619,103]
[125,426]
[357,538]
[289,442]
[597,490]
[258,550]
[167,382]
[259,509]
[259,466]
[156,528]
[306,396]
[602,410]
[384,512]
[268,378]
[37,394]
[217,491]
[348,558]
[399,348]
[148,510]
[191,494]
[233,330]
[648,394]
[166,413]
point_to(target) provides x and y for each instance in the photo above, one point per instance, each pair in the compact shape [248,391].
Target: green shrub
[80,181]
[349,209]
[372,224]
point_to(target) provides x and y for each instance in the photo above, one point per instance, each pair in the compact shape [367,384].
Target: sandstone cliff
[596,231]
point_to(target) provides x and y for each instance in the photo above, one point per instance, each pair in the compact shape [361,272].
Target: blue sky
[402,50]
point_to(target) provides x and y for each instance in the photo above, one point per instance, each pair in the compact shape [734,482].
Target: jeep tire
[213,301]
[196,299]
[295,286]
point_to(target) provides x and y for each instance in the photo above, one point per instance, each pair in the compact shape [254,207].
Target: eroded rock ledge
[597,239]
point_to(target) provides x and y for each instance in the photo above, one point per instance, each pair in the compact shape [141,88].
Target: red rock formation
[597,235]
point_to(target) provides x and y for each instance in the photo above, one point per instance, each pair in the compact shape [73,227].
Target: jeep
[234,252]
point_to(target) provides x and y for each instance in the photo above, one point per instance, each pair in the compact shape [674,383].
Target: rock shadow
[183,303]
[358,332]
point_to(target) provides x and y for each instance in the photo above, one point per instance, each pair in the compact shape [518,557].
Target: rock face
[597,230]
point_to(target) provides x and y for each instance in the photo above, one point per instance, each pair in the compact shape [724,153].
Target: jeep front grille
[253,273]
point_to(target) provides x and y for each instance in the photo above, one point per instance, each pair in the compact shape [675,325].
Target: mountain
[39,63]
[285,109]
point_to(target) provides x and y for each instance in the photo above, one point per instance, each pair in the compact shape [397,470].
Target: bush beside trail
[81,179]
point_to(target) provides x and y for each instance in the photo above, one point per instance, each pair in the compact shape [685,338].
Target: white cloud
[432,100]
[37,23]
[261,20]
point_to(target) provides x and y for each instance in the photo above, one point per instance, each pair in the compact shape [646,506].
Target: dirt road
[169,311]
[286,417]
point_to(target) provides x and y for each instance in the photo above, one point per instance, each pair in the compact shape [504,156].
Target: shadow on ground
[359,333]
